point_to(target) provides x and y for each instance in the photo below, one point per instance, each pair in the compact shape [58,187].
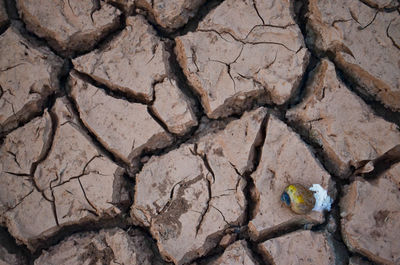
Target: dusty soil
[164,132]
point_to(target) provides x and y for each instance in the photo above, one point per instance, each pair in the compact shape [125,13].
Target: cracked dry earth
[164,132]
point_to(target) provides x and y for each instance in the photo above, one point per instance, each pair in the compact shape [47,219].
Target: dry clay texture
[164,132]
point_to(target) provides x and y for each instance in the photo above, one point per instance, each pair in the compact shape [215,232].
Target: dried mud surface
[164,132]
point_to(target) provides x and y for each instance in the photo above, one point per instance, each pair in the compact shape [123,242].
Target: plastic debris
[322,200]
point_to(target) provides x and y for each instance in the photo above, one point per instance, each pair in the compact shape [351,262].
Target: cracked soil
[164,132]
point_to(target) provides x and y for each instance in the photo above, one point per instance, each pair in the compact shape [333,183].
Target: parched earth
[164,132]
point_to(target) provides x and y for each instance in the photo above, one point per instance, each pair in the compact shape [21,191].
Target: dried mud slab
[108,246]
[236,254]
[21,149]
[3,15]
[189,196]
[173,108]
[364,42]
[174,210]
[133,62]
[69,26]
[285,160]
[170,14]
[370,214]
[136,63]
[73,184]
[28,75]
[31,220]
[303,247]
[341,123]
[243,52]
[124,128]
[237,141]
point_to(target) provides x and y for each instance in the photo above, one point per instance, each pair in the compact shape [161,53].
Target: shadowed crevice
[250,189]
[3,29]
[9,243]
[11,8]
[256,253]
[115,93]
[183,83]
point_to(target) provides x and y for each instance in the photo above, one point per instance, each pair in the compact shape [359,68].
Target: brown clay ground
[163,132]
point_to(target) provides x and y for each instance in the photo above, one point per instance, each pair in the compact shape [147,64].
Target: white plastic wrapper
[322,200]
